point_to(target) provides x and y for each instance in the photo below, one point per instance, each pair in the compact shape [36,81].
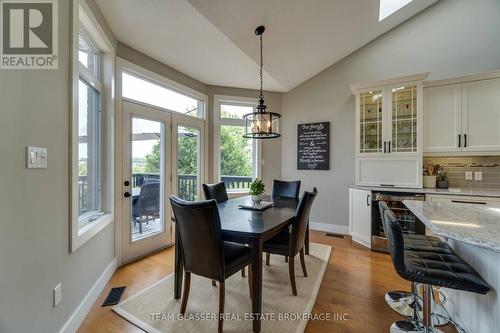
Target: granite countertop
[472,224]
[444,191]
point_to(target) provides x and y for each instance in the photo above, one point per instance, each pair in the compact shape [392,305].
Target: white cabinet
[360,216]
[487,201]
[442,118]
[389,136]
[481,115]
[462,117]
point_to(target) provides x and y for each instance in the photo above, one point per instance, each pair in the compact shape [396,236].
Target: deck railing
[187,185]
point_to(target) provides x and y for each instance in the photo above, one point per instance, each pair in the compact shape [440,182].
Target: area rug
[156,311]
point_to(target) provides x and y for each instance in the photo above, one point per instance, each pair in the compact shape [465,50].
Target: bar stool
[406,302]
[429,269]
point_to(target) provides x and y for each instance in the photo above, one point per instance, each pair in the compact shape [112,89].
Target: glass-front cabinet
[389,120]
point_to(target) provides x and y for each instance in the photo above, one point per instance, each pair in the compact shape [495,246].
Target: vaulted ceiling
[213,41]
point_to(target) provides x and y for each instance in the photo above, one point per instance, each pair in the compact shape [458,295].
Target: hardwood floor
[353,287]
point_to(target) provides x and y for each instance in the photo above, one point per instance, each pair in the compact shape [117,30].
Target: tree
[236,152]
[153,159]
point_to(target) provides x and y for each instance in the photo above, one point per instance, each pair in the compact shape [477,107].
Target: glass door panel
[404,119]
[371,122]
[148,176]
[188,162]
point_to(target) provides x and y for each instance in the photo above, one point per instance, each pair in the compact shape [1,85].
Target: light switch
[36,157]
[478,175]
[468,175]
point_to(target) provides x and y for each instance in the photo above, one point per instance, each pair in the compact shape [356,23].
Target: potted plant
[430,175]
[257,188]
[442,179]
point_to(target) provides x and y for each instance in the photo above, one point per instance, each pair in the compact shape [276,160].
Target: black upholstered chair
[147,206]
[289,243]
[215,191]
[203,250]
[286,189]
[429,269]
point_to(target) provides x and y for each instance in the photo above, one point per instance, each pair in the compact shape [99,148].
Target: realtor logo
[29,34]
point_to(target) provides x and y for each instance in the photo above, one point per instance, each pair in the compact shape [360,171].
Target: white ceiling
[213,41]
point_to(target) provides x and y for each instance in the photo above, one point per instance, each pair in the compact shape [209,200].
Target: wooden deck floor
[354,284]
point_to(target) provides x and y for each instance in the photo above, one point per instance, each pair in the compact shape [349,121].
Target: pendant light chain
[261,65]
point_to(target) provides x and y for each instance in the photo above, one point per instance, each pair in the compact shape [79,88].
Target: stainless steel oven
[409,223]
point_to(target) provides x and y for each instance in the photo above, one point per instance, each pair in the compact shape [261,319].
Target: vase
[442,184]
[256,199]
[430,181]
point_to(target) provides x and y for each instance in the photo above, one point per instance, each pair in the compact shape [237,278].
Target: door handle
[459,140]
[127,194]
[465,140]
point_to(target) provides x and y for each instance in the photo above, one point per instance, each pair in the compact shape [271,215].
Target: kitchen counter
[444,191]
[472,224]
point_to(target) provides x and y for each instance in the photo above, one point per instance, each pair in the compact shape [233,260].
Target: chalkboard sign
[313,146]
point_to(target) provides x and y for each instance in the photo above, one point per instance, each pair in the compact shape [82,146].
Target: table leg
[306,245]
[256,283]
[178,270]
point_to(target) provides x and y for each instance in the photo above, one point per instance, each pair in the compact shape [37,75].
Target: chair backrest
[149,200]
[215,191]
[286,189]
[395,240]
[301,219]
[382,206]
[200,234]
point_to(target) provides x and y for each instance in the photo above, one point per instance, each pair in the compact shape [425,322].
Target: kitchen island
[473,231]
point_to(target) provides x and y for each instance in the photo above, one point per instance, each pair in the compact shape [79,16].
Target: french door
[163,155]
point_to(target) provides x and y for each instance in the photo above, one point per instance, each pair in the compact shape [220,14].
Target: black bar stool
[406,303]
[429,269]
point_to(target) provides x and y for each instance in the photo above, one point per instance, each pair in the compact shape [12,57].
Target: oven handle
[392,197]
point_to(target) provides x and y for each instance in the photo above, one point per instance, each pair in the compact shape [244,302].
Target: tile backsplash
[457,166]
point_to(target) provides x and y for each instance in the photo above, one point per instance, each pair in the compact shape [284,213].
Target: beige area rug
[156,311]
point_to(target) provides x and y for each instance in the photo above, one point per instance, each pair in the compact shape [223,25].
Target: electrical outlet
[57,295]
[478,175]
[468,175]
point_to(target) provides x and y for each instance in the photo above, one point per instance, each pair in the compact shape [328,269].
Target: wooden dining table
[248,227]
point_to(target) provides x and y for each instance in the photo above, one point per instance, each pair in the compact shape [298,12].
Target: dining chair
[203,250]
[147,206]
[286,189]
[215,191]
[289,243]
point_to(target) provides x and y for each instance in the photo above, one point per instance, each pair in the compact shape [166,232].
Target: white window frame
[218,122]
[84,20]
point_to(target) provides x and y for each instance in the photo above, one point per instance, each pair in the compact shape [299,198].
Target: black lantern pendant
[261,124]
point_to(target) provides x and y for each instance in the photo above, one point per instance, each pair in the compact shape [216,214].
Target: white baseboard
[327,227]
[84,307]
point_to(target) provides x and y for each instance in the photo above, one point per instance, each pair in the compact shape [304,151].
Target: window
[236,157]
[145,91]
[91,131]
[389,7]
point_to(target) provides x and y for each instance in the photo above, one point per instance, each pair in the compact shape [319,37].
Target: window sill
[81,236]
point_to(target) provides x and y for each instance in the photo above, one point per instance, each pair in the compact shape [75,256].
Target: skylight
[389,7]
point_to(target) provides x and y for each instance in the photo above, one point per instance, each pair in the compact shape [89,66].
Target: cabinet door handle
[389,146]
[385,147]
[469,202]
[368,200]
[465,140]
[459,140]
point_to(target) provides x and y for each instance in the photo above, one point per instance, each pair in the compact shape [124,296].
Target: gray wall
[34,204]
[451,38]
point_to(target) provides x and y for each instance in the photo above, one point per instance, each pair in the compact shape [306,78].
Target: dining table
[252,228]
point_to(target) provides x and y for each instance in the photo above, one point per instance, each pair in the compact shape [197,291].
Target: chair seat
[444,270]
[236,257]
[425,243]
[278,244]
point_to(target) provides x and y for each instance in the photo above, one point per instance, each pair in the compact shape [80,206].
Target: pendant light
[261,124]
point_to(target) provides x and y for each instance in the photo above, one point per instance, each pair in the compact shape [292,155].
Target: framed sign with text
[313,146]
